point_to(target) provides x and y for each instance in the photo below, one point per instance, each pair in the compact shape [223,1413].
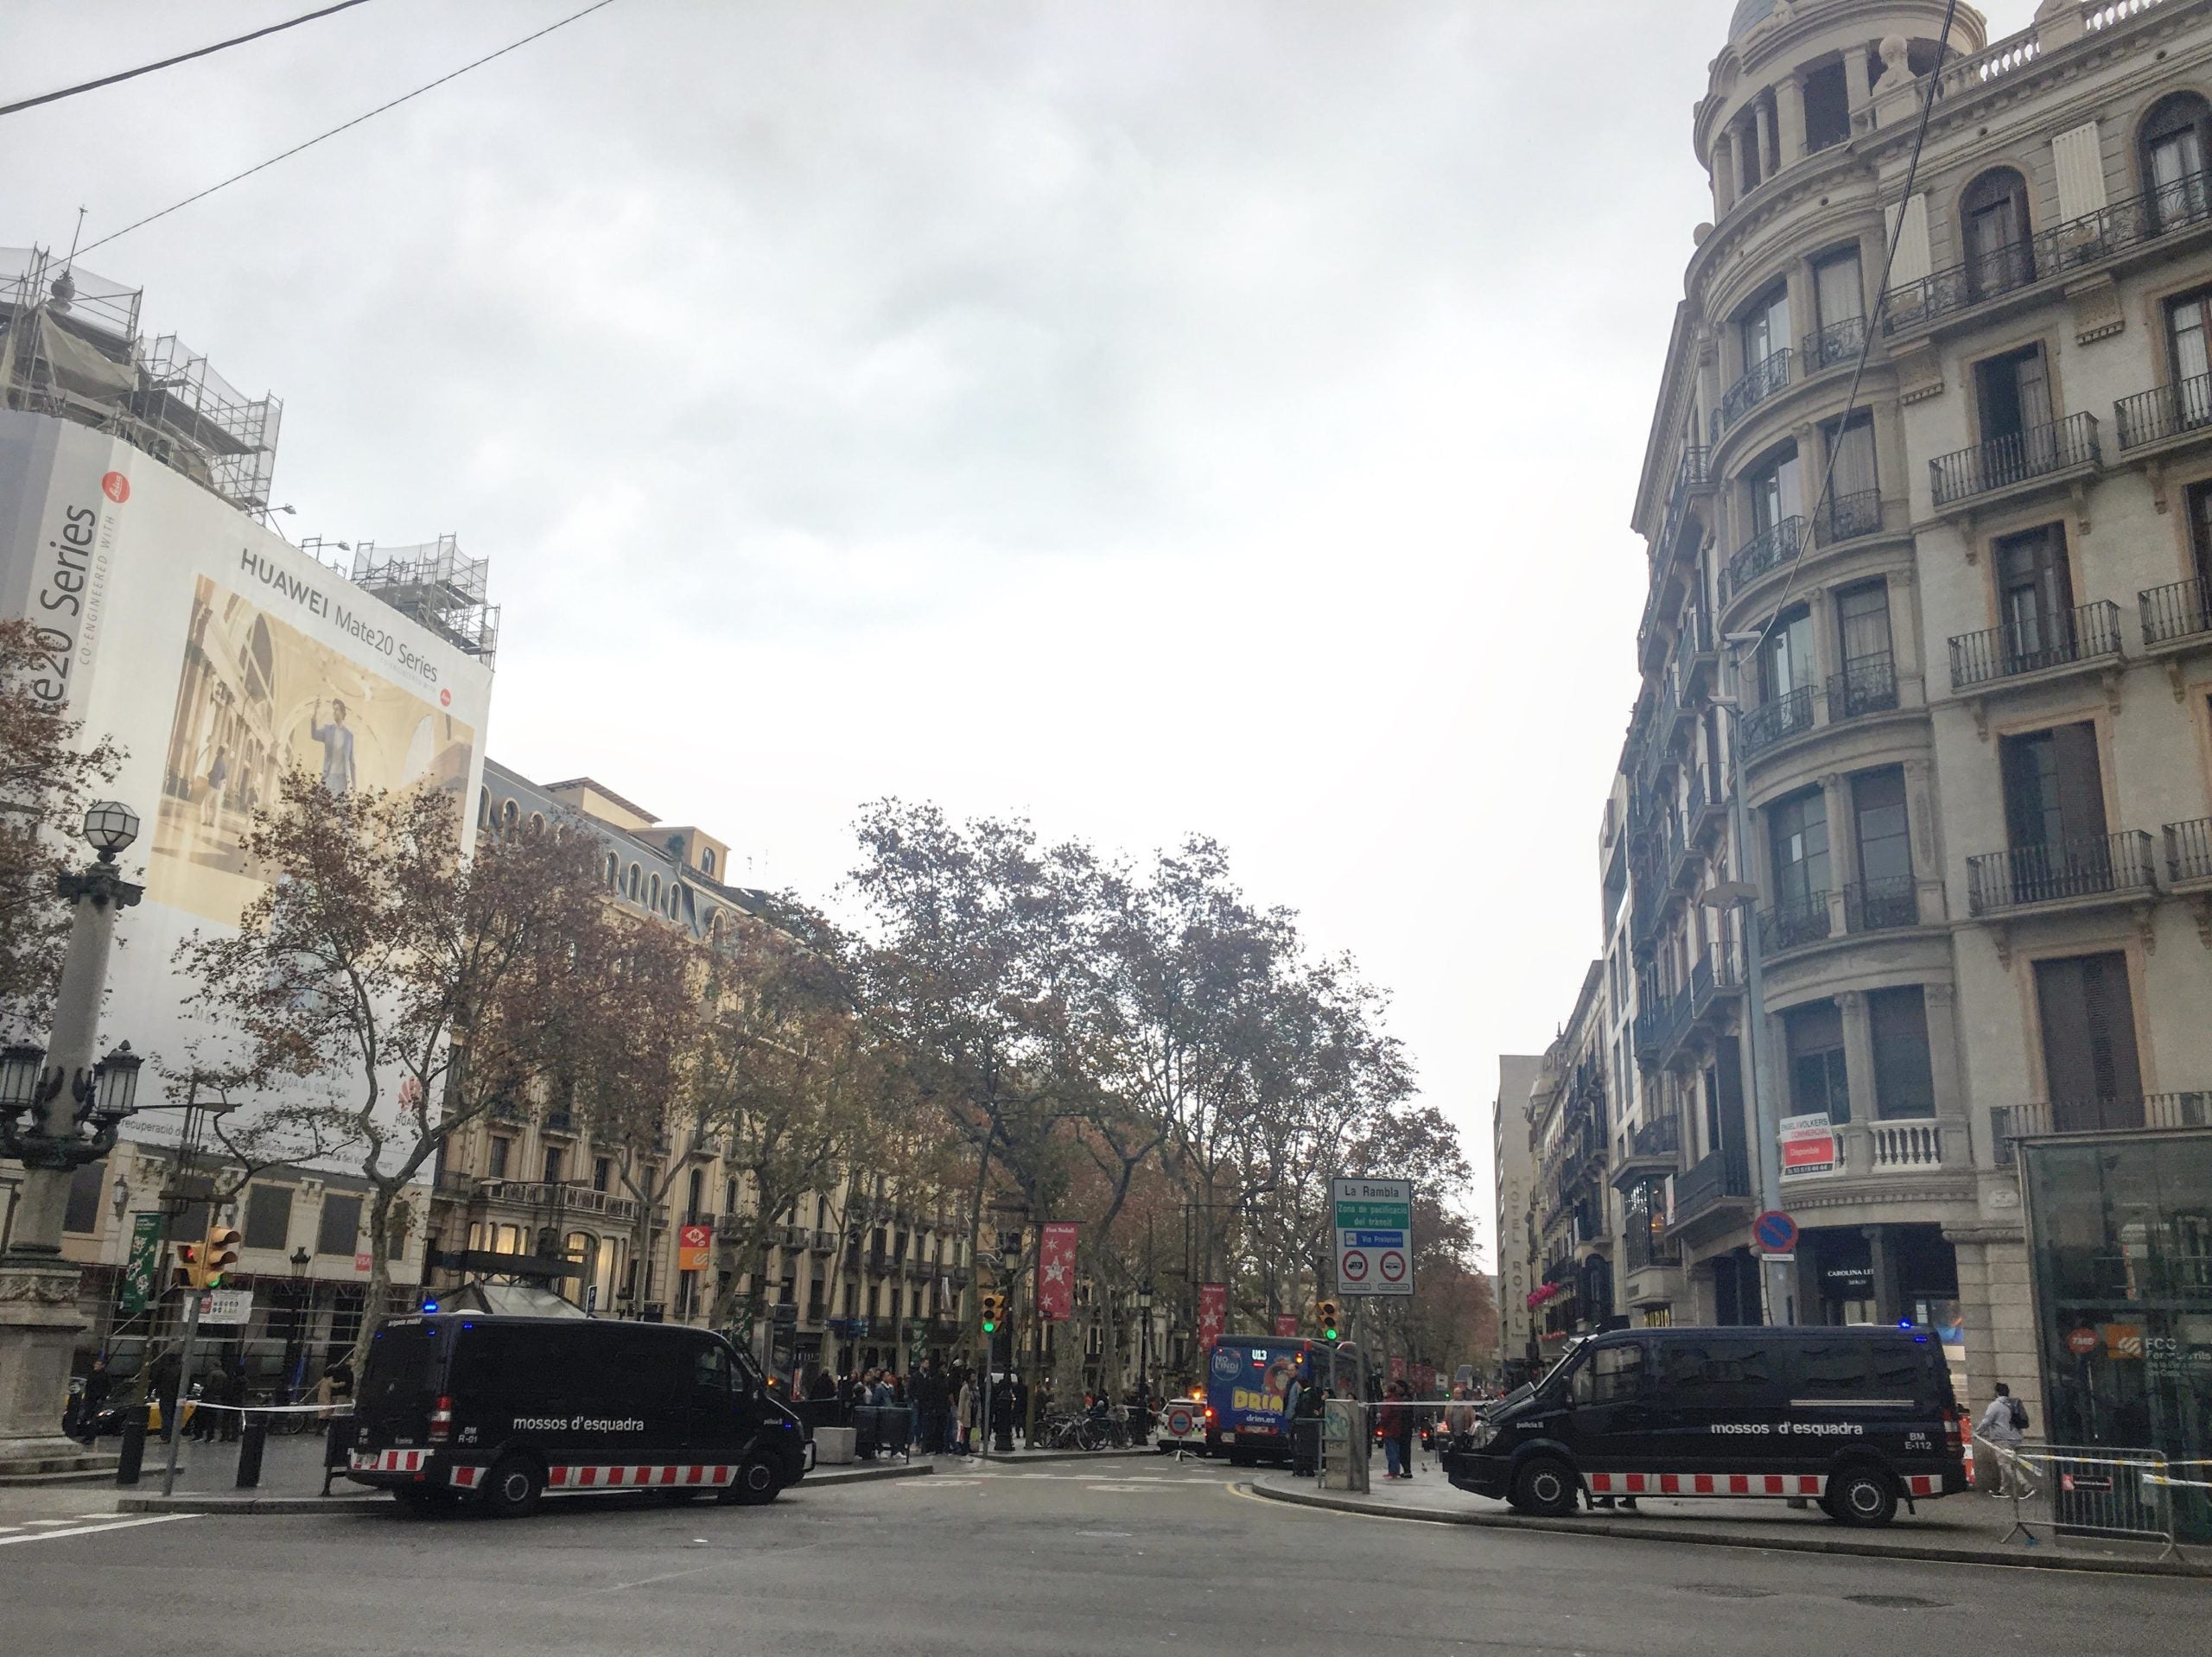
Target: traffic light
[221,1256]
[994,1308]
[1327,1312]
[185,1275]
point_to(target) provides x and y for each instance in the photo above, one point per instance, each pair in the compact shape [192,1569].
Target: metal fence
[2094,1492]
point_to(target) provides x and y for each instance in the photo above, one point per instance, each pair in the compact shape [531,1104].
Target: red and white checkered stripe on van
[673,1475]
[1736,1485]
[468,1478]
[388,1461]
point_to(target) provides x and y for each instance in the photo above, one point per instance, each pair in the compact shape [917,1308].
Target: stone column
[1944,1066]
[1858,86]
[1843,845]
[1789,111]
[1996,1302]
[1723,177]
[1857,1054]
[1888,1306]
[1763,129]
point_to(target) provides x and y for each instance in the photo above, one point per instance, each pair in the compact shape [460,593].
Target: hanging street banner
[145,1260]
[1287,1326]
[1213,1312]
[1375,1235]
[1056,1270]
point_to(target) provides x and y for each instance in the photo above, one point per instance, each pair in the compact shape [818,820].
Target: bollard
[249,1442]
[134,1447]
[333,1449]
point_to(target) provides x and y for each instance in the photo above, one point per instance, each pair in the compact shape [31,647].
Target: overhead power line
[181,57]
[345,126]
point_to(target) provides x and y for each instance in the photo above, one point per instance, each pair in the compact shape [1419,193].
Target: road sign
[1775,1231]
[226,1306]
[2082,1342]
[1375,1235]
[694,1247]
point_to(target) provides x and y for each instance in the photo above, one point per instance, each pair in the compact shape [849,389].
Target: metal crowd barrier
[2086,1490]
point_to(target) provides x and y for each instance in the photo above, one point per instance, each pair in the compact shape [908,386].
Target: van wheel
[513,1488]
[756,1483]
[1545,1486]
[1862,1496]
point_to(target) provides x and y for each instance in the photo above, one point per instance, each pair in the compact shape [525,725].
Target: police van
[506,1411]
[1853,1419]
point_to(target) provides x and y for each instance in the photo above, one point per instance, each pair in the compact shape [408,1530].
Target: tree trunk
[379,1293]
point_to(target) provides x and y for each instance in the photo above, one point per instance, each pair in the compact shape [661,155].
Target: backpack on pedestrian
[2019,1414]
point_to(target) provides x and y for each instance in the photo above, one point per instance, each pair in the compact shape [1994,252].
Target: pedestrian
[966,1417]
[2003,1428]
[99,1387]
[1395,1418]
[822,1387]
[164,1374]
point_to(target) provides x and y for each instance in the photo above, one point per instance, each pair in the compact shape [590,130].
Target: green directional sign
[1374,1216]
[139,1271]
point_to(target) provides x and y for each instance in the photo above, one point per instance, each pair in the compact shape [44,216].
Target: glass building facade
[2120,1230]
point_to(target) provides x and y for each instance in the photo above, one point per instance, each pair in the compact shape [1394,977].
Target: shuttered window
[2080,163]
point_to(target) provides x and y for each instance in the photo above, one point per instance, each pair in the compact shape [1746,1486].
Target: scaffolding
[432,583]
[70,347]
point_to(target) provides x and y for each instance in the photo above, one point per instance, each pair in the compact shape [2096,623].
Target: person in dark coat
[162,1377]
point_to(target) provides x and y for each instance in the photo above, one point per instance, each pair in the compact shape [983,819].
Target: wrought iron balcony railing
[1853,515]
[2097,866]
[2087,240]
[1724,1175]
[2083,634]
[1770,722]
[2017,457]
[2164,411]
[1767,550]
[1660,1137]
[1878,905]
[1838,342]
[1868,684]
[1758,383]
[2181,610]
[1799,921]
[2188,850]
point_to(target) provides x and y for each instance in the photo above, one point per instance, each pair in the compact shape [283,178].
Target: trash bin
[866,1418]
[894,1430]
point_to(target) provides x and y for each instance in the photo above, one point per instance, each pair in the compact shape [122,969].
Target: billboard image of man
[337,748]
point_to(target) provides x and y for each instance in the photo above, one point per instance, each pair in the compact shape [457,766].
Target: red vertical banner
[1286,1323]
[1397,1368]
[1213,1312]
[1056,1272]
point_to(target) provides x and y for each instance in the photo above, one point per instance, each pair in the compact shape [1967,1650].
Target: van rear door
[399,1383]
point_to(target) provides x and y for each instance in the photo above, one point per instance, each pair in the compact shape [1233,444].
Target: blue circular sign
[1775,1231]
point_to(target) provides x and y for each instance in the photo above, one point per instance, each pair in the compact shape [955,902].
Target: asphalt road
[1134,1557]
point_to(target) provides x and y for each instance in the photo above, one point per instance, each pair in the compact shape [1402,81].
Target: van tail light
[1209,1413]
[1954,1434]
[442,1421]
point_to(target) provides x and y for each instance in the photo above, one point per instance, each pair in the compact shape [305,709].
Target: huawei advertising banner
[1213,1312]
[1056,1271]
[216,655]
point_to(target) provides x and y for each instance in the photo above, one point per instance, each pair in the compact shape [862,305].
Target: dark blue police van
[1855,1419]
[506,1411]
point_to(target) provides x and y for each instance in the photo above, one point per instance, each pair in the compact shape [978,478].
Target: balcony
[1716,977]
[2147,1113]
[1660,1024]
[1708,809]
[1718,1188]
[2041,644]
[731,1228]
[1853,515]
[1759,382]
[2189,852]
[1770,722]
[1881,906]
[1653,1147]
[2164,414]
[2071,872]
[2180,614]
[566,1199]
[2109,232]
[1838,343]
[1868,684]
[2064,448]
[1794,924]
[1769,549]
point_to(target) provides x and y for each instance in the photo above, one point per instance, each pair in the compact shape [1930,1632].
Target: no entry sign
[1375,1235]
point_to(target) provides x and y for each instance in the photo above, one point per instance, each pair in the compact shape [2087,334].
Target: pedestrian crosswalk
[55,1530]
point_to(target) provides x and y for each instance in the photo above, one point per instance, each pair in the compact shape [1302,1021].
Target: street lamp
[1144,1340]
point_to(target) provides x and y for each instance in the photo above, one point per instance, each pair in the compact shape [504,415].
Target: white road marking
[95,1530]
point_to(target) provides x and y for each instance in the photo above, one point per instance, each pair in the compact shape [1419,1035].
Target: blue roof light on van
[1919,1340]
[430,1306]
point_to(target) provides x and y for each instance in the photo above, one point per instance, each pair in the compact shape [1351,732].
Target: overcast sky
[1200,416]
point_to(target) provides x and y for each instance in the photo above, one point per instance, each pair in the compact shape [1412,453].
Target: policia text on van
[508,1410]
[1852,1418]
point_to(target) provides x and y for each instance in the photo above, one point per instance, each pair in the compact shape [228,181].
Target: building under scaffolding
[70,347]
[433,584]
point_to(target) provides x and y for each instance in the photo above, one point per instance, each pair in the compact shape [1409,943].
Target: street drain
[1726,1591]
[1898,1602]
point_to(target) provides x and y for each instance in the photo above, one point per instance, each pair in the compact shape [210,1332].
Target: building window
[613,872]
[1786,659]
[635,877]
[1904,1080]
[553,1156]
[653,889]
[1827,108]
[2054,792]
[707,860]
[1840,307]
[1763,328]
[1775,492]
[2189,362]
[2091,1069]
[510,812]
[483,808]
[2173,159]
[82,1212]
[1885,895]
[1819,1081]
[339,1227]
[496,1164]
[602,1173]
[1994,216]
[537,822]
[1798,828]
[1868,681]
[2035,600]
[696,1201]
[1854,505]
[2012,393]
[2200,547]
[267,1216]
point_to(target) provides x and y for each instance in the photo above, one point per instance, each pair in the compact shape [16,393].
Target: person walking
[1386,1420]
[964,1416]
[166,1371]
[2002,1430]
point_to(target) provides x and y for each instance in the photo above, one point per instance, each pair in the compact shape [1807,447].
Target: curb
[1861,1548]
[1024,1458]
[378,1501]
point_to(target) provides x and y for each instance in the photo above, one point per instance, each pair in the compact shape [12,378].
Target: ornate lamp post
[58,1110]
[1144,1340]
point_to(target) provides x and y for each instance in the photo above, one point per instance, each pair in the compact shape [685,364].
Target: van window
[1613,1374]
[401,1369]
[710,1375]
[1899,1367]
[1717,1372]
[1831,1369]
[526,1369]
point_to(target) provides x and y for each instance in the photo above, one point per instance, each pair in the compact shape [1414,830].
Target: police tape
[333,1410]
[2174,1483]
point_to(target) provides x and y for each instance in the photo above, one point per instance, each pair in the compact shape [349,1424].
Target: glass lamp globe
[110,826]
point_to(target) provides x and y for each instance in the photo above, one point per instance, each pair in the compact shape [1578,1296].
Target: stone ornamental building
[1926,712]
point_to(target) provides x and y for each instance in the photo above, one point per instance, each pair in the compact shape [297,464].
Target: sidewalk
[1962,1529]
